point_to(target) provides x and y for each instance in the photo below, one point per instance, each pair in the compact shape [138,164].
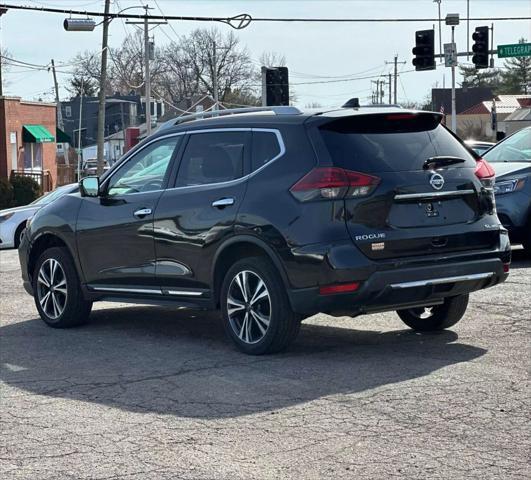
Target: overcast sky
[314,51]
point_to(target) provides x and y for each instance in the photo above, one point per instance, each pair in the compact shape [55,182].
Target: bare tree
[232,64]
[4,56]
[180,71]
[178,82]
[272,59]
[128,65]
[87,71]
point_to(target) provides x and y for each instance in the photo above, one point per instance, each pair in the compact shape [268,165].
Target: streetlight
[79,24]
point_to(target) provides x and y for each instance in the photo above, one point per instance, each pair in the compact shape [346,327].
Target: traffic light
[424,50]
[275,86]
[481,47]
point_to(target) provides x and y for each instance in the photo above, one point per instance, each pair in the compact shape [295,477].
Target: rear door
[419,208]
[194,216]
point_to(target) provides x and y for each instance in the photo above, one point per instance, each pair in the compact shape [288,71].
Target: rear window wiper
[443,161]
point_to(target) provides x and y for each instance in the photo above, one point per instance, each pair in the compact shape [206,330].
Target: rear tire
[437,317]
[257,315]
[57,291]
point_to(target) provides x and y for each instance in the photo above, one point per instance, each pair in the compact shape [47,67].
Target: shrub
[25,189]
[6,193]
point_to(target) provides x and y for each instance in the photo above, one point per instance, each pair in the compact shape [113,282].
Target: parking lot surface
[159,393]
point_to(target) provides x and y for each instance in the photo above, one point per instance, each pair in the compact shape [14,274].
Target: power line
[245,18]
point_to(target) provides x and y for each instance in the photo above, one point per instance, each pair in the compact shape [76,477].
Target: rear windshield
[379,143]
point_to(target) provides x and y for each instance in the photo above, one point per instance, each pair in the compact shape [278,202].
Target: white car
[13,220]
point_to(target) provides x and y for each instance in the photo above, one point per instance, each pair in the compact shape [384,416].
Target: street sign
[514,50]
[450,55]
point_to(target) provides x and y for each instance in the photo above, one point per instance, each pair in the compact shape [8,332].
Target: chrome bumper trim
[439,281]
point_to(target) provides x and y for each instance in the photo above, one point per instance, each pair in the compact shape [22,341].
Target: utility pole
[101,96]
[147,76]
[2,12]
[57,101]
[395,62]
[389,84]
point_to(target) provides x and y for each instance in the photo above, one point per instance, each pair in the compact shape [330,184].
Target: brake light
[339,288]
[401,116]
[333,183]
[485,172]
[506,267]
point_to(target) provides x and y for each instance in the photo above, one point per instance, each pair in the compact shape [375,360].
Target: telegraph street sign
[514,50]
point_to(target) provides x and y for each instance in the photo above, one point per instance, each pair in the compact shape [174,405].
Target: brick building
[27,140]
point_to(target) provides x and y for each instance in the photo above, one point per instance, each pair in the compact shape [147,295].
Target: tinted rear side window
[381,145]
[265,148]
[212,158]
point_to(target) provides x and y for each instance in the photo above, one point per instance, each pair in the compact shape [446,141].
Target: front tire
[57,291]
[257,315]
[435,318]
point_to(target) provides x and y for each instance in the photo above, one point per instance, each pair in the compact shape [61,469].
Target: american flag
[441,110]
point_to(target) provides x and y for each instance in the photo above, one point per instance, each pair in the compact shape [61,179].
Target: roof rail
[277,110]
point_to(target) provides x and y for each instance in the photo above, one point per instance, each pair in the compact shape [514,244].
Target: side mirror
[89,187]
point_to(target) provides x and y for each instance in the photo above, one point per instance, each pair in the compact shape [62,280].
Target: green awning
[62,137]
[36,134]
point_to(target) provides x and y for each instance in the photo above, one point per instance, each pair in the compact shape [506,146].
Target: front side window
[212,158]
[265,148]
[145,171]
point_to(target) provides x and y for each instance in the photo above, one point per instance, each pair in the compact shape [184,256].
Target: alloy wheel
[51,288]
[249,307]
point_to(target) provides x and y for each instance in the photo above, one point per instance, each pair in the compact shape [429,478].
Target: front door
[192,218]
[115,230]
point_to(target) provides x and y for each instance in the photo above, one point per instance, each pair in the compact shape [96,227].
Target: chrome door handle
[143,212]
[223,202]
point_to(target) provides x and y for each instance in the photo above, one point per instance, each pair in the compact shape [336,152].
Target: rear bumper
[407,283]
[403,288]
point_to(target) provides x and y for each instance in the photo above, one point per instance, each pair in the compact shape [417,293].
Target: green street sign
[514,50]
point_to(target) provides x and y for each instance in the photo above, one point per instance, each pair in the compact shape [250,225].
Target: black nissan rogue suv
[273,215]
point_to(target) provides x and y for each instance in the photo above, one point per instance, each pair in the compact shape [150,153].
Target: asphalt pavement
[159,393]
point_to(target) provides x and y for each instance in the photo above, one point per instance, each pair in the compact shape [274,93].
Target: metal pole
[390,89]
[101,96]
[215,78]
[454,119]
[146,68]
[79,155]
[467,28]
[440,28]
[57,101]
[396,75]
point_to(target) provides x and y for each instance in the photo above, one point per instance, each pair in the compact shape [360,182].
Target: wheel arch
[231,250]
[43,242]
[20,228]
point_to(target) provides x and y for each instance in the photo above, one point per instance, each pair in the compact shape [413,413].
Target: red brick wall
[14,113]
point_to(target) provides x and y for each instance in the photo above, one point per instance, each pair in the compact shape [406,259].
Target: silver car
[13,220]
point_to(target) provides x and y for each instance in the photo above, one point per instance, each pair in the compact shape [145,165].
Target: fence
[42,177]
[65,174]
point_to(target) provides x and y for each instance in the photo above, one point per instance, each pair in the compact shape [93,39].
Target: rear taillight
[485,172]
[333,183]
